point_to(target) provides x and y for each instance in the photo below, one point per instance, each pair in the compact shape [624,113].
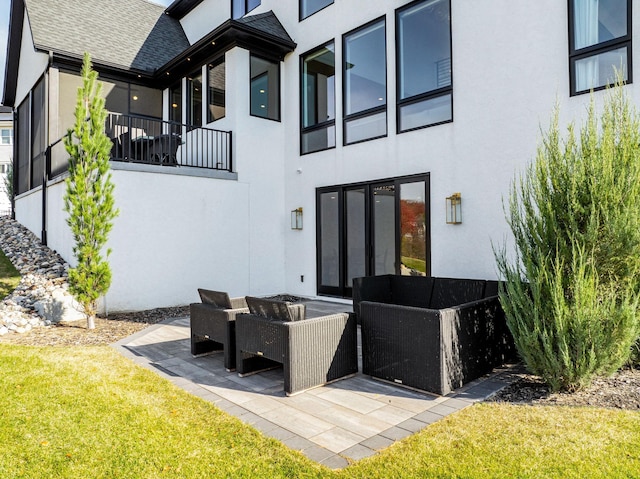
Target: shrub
[571,294]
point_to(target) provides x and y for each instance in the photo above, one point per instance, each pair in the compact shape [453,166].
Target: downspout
[47,154]
[14,167]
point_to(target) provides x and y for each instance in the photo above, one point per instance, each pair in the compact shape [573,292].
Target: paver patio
[334,424]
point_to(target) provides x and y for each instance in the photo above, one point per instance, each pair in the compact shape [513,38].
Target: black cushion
[215,298]
[279,310]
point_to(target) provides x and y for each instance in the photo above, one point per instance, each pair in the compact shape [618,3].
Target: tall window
[194,99]
[265,88]
[216,90]
[309,7]
[239,8]
[318,99]
[423,50]
[38,133]
[6,136]
[175,103]
[365,83]
[599,43]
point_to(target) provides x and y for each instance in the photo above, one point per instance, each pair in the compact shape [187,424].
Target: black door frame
[342,290]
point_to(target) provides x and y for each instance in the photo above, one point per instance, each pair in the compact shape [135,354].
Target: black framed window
[309,7]
[216,90]
[194,99]
[175,103]
[239,8]
[365,83]
[424,73]
[265,88]
[318,109]
[599,43]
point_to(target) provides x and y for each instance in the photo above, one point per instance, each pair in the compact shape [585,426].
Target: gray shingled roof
[133,34]
[268,23]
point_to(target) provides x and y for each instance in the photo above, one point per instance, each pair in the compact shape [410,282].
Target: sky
[5,6]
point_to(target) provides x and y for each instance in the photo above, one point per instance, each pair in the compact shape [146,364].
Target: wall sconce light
[296,219]
[454,209]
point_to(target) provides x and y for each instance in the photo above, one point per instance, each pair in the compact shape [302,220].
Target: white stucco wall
[32,63]
[178,233]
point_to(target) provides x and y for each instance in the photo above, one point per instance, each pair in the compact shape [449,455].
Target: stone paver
[336,424]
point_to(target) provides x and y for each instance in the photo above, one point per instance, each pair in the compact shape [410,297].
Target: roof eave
[180,8]
[14,45]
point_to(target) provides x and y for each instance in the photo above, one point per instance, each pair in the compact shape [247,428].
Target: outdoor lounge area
[333,424]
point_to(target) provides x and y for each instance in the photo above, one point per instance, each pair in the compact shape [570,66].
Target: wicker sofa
[312,351]
[213,325]
[433,334]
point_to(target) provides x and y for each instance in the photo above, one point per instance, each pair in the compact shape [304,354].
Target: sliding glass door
[371,229]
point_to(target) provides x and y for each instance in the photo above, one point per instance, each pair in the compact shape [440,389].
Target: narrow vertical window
[599,43]
[239,8]
[265,88]
[175,103]
[23,161]
[425,91]
[38,133]
[194,100]
[365,83]
[318,99]
[216,90]
[309,7]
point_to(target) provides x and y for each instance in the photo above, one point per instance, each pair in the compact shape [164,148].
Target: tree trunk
[91,321]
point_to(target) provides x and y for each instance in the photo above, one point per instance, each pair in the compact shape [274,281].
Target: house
[6,156]
[281,145]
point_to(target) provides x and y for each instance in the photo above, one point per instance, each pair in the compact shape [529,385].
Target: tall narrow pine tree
[89,194]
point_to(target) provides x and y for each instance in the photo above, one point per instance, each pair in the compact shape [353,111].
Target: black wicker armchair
[213,325]
[312,351]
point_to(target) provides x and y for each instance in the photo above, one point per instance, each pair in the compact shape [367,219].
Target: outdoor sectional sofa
[312,351]
[432,334]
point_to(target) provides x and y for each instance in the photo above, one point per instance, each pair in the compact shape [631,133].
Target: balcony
[156,142]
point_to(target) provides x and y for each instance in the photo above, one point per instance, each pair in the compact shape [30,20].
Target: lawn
[9,276]
[79,412]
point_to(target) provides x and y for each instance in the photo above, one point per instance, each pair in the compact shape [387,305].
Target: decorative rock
[42,297]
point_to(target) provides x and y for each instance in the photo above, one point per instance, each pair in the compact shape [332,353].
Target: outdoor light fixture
[454,209]
[296,219]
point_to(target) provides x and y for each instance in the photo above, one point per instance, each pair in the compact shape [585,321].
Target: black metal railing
[156,142]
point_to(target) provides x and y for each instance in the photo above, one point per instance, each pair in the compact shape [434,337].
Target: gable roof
[132,34]
[267,23]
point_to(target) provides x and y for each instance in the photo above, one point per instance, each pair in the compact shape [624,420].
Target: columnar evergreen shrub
[571,294]
[89,194]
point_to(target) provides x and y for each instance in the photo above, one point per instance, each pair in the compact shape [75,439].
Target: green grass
[89,412]
[415,263]
[9,276]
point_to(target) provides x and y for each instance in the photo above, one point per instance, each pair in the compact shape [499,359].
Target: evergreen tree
[571,296]
[89,194]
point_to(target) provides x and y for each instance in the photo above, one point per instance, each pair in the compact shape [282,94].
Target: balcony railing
[156,142]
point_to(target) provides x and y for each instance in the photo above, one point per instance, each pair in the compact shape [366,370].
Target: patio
[335,424]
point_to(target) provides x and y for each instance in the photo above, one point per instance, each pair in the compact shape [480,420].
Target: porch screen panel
[23,161]
[38,134]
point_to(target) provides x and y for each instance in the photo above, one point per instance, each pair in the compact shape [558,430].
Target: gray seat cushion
[215,298]
[279,310]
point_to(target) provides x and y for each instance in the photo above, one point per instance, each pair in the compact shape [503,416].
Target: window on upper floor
[318,89]
[239,8]
[194,99]
[309,7]
[216,90]
[265,88]
[365,83]
[6,136]
[599,43]
[423,52]
[175,103]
